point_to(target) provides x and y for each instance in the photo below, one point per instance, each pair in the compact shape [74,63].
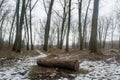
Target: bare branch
[57,14]
[61,3]
[1,3]
[45,6]
[34,5]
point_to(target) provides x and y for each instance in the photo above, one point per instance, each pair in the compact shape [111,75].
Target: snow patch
[99,70]
[20,70]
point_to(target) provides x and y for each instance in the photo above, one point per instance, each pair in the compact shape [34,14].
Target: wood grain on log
[59,63]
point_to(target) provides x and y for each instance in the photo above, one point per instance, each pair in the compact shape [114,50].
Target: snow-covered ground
[98,70]
[20,70]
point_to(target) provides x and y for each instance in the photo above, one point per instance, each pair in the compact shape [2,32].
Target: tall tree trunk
[63,24]
[32,47]
[85,27]
[112,39]
[106,32]
[18,39]
[11,28]
[119,42]
[93,38]
[58,35]
[47,26]
[73,42]
[79,23]
[17,25]
[112,33]
[1,26]
[27,32]
[100,32]
[68,30]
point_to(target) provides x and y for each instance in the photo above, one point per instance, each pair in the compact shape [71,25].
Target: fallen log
[59,63]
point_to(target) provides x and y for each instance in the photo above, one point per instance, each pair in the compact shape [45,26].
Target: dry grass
[82,54]
[6,51]
[74,54]
[9,55]
[36,69]
[93,56]
[82,71]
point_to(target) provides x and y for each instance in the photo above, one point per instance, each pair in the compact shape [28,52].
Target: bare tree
[4,11]
[47,26]
[119,35]
[68,29]
[113,27]
[108,21]
[93,38]
[100,32]
[74,30]
[2,22]
[30,7]
[19,25]
[85,26]
[63,23]
[79,22]
[10,35]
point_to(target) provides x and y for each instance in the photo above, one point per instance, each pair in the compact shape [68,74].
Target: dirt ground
[53,73]
[38,73]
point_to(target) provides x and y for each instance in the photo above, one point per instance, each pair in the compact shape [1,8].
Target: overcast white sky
[106,9]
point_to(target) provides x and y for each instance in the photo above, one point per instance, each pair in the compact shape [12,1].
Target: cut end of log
[59,63]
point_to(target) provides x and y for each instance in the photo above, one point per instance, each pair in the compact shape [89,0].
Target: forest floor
[105,66]
[22,66]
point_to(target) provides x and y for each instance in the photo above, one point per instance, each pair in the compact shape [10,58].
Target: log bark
[59,63]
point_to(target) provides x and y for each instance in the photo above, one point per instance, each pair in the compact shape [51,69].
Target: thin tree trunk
[84,26]
[2,22]
[58,40]
[100,32]
[27,32]
[63,24]
[104,40]
[32,47]
[68,30]
[119,42]
[11,28]
[17,25]
[1,3]
[113,29]
[1,26]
